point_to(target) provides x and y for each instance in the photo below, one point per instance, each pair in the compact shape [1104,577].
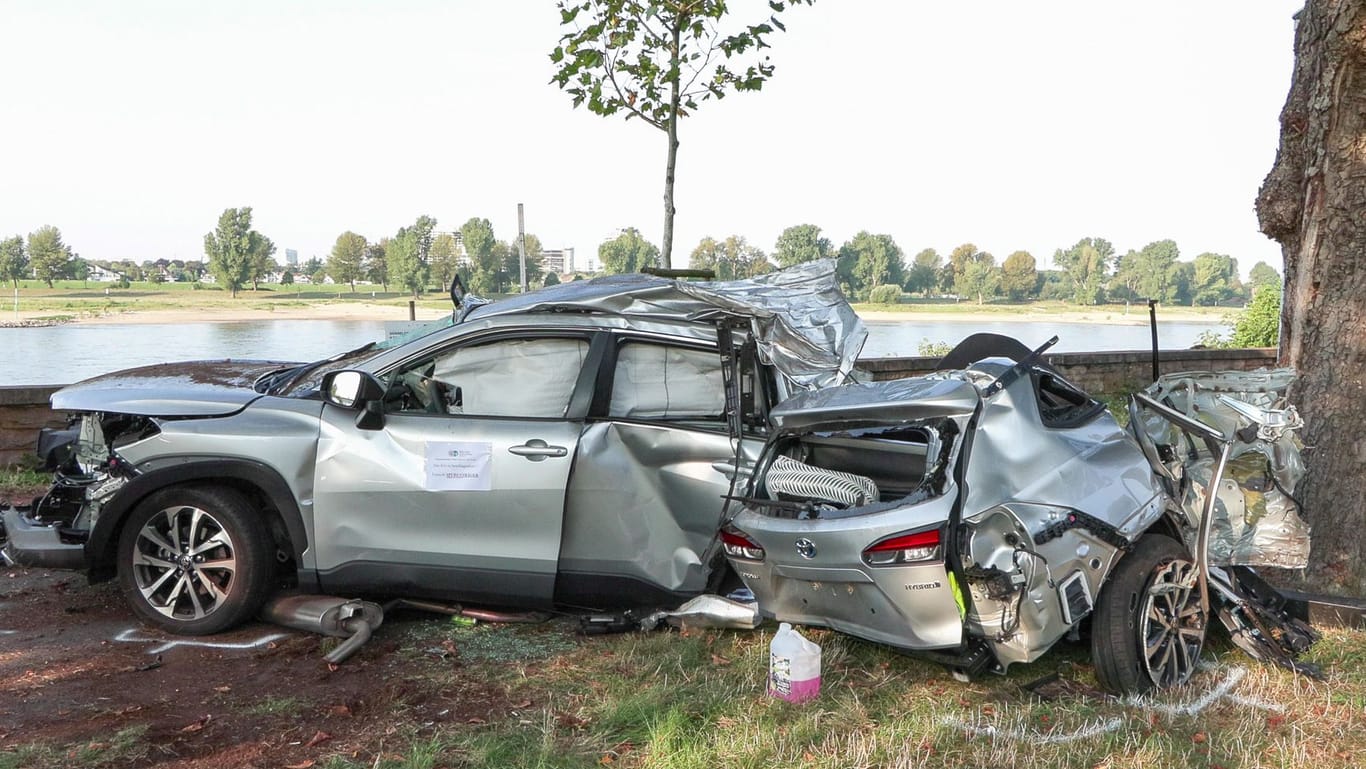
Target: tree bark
[1314,204]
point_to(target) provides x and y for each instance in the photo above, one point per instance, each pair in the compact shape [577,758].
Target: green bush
[885,294]
[1260,324]
[1257,326]
[930,349]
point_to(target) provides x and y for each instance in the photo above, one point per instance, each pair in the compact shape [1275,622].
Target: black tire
[195,560]
[1147,631]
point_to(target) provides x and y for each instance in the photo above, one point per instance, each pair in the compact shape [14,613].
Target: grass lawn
[697,699]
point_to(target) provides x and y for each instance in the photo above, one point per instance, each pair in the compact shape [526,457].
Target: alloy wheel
[184,563]
[1172,625]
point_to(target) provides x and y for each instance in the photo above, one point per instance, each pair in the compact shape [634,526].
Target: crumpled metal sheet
[708,611]
[1257,520]
[803,324]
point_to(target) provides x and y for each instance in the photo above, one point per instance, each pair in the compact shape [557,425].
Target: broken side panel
[1257,521]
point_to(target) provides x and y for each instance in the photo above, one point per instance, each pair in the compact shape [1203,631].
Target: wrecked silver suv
[570,447]
[980,514]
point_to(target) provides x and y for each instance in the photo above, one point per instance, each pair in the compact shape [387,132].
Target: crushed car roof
[890,402]
[801,321]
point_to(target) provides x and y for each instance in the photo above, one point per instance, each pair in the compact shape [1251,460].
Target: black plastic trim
[99,550]
[600,592]
[513,589]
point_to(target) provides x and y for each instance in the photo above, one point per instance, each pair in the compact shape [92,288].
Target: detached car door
[460,493]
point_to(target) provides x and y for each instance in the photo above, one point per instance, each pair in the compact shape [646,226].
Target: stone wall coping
[26,395]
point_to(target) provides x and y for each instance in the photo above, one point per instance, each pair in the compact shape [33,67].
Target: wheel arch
[262,485]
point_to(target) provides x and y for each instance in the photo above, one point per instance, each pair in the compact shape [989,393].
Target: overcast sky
[1015,125]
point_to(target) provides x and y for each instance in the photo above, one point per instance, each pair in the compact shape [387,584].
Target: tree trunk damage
[1314,204]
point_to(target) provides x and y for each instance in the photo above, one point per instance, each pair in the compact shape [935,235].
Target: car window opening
[838,475]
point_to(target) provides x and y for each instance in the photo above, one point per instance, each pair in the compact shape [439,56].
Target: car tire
[195,560]
[1147,629]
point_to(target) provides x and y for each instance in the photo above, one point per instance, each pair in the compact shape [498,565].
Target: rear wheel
[195,560]
[1148,627]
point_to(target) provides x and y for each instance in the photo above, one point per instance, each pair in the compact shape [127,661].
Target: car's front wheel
[1148,627]
[195,560]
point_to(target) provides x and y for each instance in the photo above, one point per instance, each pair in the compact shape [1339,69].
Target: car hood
[195,389]
[893,402]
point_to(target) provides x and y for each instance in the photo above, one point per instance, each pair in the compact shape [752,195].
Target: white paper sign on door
[459,466]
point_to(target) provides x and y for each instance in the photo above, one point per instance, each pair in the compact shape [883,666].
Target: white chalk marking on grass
[1038,738]
[1221,691]
[127,637]
[1210,697]
[1253,702]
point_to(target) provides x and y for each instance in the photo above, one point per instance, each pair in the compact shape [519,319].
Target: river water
[70,353]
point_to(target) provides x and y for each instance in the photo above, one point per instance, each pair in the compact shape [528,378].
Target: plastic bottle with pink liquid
[794,666]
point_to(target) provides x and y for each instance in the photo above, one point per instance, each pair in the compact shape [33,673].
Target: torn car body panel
[1257,521]
[804,326]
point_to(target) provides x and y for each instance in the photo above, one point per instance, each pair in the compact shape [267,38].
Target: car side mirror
[356,390]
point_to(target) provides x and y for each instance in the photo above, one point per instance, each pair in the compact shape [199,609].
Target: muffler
[327,615]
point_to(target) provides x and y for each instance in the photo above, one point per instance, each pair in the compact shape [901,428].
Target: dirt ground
[77,671]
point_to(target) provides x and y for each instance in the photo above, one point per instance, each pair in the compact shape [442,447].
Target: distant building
[291,257]
[102,275]
[559,261]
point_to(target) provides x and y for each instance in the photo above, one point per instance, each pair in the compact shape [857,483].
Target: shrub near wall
[885,294]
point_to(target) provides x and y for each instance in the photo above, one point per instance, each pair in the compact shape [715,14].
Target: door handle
[726,467]
[537,450]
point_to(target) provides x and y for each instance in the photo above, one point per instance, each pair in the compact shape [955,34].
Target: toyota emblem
[806,548]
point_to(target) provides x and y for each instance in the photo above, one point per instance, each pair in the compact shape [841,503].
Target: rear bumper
[911,607]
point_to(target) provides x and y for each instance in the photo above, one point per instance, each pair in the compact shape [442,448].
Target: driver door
[460,494]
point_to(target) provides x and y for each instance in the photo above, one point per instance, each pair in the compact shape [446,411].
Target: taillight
[740,546]
[904,548]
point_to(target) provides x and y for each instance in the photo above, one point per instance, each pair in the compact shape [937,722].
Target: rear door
[461,492]
[655,463]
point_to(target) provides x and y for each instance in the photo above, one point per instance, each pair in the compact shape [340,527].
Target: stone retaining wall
[1104,372]
[24,409]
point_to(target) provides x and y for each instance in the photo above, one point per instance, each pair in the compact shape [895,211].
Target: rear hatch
[848,518]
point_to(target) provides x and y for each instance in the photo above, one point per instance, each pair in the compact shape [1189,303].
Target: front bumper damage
[52,531]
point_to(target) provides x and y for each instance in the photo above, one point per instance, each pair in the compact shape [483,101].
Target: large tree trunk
[1314,204]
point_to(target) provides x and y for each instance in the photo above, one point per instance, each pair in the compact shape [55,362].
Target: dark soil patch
[80,677]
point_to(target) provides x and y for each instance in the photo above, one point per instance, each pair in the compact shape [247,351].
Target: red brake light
[919,539]
[904,549]
[738,545]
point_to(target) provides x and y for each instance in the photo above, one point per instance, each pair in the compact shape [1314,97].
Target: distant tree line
[872,267]
[418,257]
[42,256]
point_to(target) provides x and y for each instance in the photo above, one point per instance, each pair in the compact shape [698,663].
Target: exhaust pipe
[327,615]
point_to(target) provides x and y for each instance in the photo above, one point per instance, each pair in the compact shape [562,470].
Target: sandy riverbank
[215,314]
